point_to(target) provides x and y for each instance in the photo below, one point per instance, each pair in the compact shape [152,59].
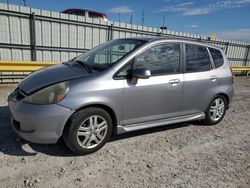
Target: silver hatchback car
[120,86]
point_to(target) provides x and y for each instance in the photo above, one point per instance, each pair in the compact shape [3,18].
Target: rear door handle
[174,82]
[213,78]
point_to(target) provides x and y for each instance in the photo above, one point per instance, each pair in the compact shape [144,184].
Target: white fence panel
[60,37]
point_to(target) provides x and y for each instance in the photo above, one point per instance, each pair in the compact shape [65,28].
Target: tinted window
[217,57]
[197,59]
[95,15]
[76,12]
[161,59]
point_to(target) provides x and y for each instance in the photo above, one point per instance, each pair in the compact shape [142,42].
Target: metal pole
[110,32]
[131,18]
[33,36]
[163,24]
[110,37]
[247,55]
[142,20]
[226,50]
[24,2]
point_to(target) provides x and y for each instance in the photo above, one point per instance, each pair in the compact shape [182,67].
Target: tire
[88,130]
[216,110]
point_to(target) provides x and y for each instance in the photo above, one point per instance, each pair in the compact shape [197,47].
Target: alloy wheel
[92,131]
[217,109]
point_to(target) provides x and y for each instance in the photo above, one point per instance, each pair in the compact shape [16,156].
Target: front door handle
[174,82]
[213,78]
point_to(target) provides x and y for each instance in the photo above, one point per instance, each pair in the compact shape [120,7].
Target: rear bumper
[39,123]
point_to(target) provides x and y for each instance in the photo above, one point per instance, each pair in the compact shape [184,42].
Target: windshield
[105,55]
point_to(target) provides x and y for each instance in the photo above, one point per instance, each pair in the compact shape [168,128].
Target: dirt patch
[180,155]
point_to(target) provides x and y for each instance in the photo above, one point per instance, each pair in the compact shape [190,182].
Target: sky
[229,19]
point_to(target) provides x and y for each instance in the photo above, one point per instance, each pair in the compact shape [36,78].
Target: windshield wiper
[84,65]
[79,64]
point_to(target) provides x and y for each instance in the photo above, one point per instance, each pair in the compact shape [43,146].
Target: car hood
[49,76]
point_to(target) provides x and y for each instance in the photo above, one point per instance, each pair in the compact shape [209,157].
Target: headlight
[49,95]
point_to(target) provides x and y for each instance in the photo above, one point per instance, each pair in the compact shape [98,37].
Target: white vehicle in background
[86,13]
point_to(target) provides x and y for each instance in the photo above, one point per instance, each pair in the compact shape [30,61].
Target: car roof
[91,11]
[170,38]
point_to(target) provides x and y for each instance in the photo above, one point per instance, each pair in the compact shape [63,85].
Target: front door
[158,97]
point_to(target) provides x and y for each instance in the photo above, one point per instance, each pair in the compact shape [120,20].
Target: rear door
[200,79]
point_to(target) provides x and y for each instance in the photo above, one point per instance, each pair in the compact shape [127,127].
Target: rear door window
[197,58]
[217,57]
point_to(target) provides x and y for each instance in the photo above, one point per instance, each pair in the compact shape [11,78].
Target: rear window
[217,57]
[79,12]
[197,58]
[75,12]
[95,15]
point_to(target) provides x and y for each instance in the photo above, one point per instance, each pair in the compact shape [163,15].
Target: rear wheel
[88,130]
[216,110]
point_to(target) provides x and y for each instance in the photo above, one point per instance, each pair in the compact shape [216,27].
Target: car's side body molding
[145,125]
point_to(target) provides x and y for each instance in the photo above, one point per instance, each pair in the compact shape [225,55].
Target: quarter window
[217,57]
[197,58]
[125,71]
[161,59]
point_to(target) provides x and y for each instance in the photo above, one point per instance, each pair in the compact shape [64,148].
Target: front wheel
[88,130]
[216,110]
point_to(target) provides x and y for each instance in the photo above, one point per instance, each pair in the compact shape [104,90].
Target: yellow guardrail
[240,68]
[29,66]
[23,66]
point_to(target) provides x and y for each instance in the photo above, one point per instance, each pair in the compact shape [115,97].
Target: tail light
[105,18]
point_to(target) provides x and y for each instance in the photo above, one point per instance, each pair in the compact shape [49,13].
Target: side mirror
[141,73]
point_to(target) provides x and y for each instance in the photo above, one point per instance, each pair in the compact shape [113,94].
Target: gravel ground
[180,155]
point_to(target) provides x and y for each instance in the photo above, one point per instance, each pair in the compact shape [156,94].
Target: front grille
[16,125]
